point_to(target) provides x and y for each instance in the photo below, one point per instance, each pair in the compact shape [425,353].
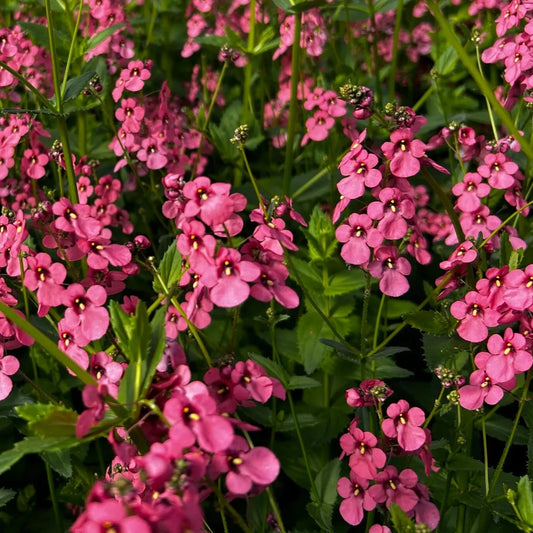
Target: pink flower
[392,487]
[9,365]
[483,389]
[356,498]
[391,269]
[403,424]
[404,153]
[475,315]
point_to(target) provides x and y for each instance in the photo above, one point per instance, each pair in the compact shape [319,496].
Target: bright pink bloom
[356,498]
[393,211]
[359,234]
[84,309]
[469,192]
[483,389]
[9,365]
[403,424]
[476,317]
[392,487]
[391,270]
[93,399]
[404,153]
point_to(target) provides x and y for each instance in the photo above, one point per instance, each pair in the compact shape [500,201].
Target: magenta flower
[470,191]
[391,270]
[93,398]
[9,365]
[404,153]
[483,389]
[404,424]
[247,468]
[365,457]
[392,487]
[228,278]
[393,210]
[46,278]
[356,498]
[84,309]
[499,170]
[476,317]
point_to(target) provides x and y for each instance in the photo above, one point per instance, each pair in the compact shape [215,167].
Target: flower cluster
[373,480]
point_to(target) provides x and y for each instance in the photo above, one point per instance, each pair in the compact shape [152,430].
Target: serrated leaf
[345,282]
[49,420]
[400,520]
[76,85]
[272,368]
[525,500]
[101,36]
[321,240]
[322,514]
[6,495]
[34,445]
[431,322]
[446,61]
[122,325]
[448,351]
[341,348]
[59,461]
[388,369]
[308,274]
[169,269]
[388,351]
[303,382]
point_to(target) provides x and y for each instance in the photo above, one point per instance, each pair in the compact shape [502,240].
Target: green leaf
[76,85]
[34,445]
[272,368]
[309,274]
[320,236]
[6,495]
[345,282]
[448,351]
[322,514]
[500,427]
[402,523]
[310,329]
[388,369]
[431,322]
[218,41]
[525,500]
[326,481]
[446,61]
[101,36]
[49,420]
[59,461]
[305,420]
[303,382]
[169,269]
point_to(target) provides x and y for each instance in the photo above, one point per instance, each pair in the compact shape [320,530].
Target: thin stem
[51,488]
[232,511]
[491,116]
[293,106]
[485,456]
[309,183]
[208,118]
[71,49]
[302,448]
[40,97]
[395,48]
[436,407]
[378,320]
[252,179]
[375,52]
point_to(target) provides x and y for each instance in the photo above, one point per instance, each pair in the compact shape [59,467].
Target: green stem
[485,456]
[71,49]
[51,488]
[314,492]
[375,52]
[40,97]
[484,87]
[316,307]
[46,344]
[232,511]
[252,179]
[400,327]
[309,183]
[208,118]
[378,320]
[293,106]
[395,39]
[491,116]
[436,407]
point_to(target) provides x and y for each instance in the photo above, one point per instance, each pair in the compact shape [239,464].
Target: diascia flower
[404,424]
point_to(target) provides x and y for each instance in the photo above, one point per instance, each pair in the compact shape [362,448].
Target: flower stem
[293,105]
